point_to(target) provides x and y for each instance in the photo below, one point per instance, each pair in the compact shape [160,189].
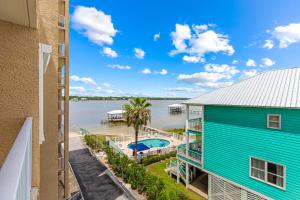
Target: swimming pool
[149,143]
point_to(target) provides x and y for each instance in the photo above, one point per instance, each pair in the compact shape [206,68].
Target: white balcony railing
[15,174]
[194,151]
[195,124]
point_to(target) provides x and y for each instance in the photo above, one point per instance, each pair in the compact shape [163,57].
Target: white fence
[160,151]
[113,145]
[153,131]
[117,144]
[15,174]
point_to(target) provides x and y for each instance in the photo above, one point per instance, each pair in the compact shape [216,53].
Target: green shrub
[156,158]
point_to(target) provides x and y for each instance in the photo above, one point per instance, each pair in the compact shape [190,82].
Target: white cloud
[139,53]
[268,44]
[97,91]
[248,73]
[185,89]
[146,71]
[267,62]
[162,72]
[179,89]
[210,41]
[179,37]
[234,62]
[101,91]
[214,76]
[106,84]
[224,69]
[121,67]
[200,42]
[287,35]
[77,90]
[94,24]
[215,85]
[192,59]
[250,63]
[156,37]
[86,80]
[201,77]
[200,28]
[109,52]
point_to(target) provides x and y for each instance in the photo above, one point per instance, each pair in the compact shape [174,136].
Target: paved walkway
[94,179]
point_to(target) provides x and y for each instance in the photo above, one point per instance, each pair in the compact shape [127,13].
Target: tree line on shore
[112,98]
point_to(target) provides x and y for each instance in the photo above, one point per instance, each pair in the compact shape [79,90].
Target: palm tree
[137,114]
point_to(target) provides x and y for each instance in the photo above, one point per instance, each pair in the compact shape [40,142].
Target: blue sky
[177,48]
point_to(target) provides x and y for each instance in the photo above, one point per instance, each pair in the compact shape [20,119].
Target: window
[274,121]
[267,172]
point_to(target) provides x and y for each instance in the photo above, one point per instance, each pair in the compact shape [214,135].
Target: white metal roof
[176,105]
[114,112]
[277,88]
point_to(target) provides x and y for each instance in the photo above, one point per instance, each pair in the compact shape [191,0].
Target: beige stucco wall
[19,70]
[48,33]
[18,88]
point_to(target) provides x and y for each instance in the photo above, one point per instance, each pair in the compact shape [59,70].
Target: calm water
[89,114]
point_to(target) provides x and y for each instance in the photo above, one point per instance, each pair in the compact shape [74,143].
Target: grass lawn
[178,131]
[158,169]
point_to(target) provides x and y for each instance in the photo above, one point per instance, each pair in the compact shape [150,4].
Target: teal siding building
[234,134]
[248,139]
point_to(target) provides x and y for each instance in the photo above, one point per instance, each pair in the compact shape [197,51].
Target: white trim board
[268,121]
[45,52]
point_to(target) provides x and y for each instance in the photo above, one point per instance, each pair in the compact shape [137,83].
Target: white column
[170,166]
[186,129]
[187,144]
[202,146]
[186,175]
[178,175]
[187,117]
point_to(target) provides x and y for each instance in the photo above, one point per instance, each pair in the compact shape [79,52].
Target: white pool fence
[117,143]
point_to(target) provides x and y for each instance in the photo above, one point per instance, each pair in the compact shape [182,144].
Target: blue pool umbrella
[140,146]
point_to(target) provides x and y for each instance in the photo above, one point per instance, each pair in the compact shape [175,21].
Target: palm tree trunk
[136,143]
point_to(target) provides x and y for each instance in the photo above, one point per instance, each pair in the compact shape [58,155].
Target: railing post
[187,128]
[15,174]
[177,171]
[187,175]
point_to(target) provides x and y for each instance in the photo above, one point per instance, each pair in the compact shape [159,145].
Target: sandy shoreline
[121,132]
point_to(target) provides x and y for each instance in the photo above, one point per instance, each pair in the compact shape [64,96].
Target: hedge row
[156,158]
[133,173]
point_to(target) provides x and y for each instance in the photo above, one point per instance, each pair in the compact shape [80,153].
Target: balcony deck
[195,125]
[194,154]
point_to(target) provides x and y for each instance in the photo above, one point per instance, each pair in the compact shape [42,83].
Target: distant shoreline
[99,98]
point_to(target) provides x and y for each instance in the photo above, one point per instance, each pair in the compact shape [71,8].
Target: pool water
[149,143]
